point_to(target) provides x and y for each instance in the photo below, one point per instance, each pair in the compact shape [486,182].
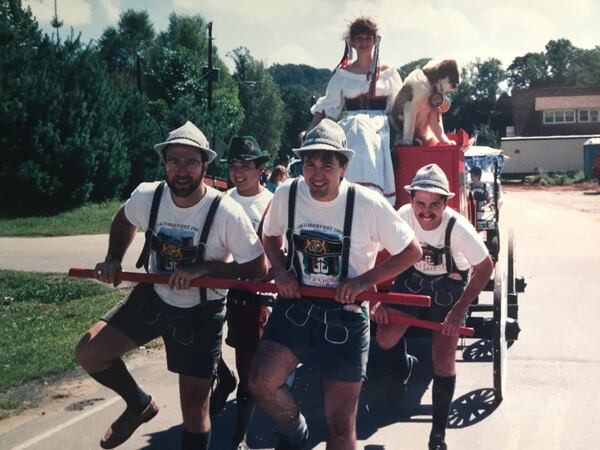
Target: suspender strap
[347,231]
[290,228]
[201,247]
[450,265]
[292,258]
[262,221]
[145,254]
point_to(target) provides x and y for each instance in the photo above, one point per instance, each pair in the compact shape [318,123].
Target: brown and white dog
[418,107]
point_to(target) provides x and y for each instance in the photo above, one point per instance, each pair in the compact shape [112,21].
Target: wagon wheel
[499,331]
[493,242]
[512,288]
[510,268]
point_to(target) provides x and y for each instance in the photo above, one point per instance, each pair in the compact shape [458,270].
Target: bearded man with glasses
[191,231]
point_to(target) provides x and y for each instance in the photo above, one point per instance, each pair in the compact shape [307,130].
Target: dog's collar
[439,101]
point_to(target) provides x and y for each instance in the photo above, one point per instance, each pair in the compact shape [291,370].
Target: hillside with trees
[79,120]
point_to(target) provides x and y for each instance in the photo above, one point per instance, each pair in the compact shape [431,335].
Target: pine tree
[62,140]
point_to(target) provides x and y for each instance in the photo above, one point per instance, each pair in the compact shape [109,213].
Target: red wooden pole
[396,318]
[261,286]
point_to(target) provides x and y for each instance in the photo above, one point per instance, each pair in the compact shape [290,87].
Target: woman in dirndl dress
[366,90]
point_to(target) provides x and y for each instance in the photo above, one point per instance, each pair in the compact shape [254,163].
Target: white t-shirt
[466,245]
[254,206]
[318,231]
[231,237]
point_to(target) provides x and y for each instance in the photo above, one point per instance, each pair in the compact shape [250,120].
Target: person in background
[247,312]
[278,176]
[479,189]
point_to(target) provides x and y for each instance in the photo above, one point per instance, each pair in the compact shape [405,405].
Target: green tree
[561,65]
[298,100]
[175,81]
[560,56]
[486,135]
[585,69]
[122,47]
[259,96]
[409,67]
[479,105]
[62,142]
[142,129]
[174,89]
[528,71]
[300,85]
[300,75]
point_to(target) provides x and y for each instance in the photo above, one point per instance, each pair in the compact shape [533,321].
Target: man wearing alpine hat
[451,249]
[191,231]
[333,230]
[247,312]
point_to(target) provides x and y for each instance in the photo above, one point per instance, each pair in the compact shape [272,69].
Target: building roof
[567,102]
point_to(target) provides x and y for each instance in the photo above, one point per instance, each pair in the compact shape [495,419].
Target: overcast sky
[310,31]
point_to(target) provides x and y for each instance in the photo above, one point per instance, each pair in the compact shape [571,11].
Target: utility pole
[56,23]
[138,71]
[211,74]
[209,71]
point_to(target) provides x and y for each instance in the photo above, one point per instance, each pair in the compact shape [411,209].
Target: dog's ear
[449,68]
[431,72]
[444,69]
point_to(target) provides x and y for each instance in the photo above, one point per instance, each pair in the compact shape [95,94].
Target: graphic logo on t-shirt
[175,247]
[433,259]
[319,254]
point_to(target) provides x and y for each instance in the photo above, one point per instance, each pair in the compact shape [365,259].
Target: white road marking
[68,423]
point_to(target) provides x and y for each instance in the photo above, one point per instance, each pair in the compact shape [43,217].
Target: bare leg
[194,399]
[271,366]
[245,400]
[341,401]
[437,127]
[389,334]
[410,122]
[101,346]
[99,353]
[443,352]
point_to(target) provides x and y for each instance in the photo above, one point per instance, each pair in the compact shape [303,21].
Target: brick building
[551,126]
[556,111]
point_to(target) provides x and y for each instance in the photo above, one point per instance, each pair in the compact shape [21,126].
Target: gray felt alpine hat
[326,135]
[187,134]
[430,178]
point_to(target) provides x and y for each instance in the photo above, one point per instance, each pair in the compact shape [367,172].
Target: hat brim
[257,159]
[210,154]
[430,189]
[347,152]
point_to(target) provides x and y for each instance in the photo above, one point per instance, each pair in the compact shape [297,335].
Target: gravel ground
[584,197]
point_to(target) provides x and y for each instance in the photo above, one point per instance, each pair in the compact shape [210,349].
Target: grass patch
[94,218]
[556,178]
[9,407]
[42,317]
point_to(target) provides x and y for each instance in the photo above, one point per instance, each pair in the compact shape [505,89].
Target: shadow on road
[379,405]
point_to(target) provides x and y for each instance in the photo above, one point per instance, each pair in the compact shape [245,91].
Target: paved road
[58,254]
[554,368]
